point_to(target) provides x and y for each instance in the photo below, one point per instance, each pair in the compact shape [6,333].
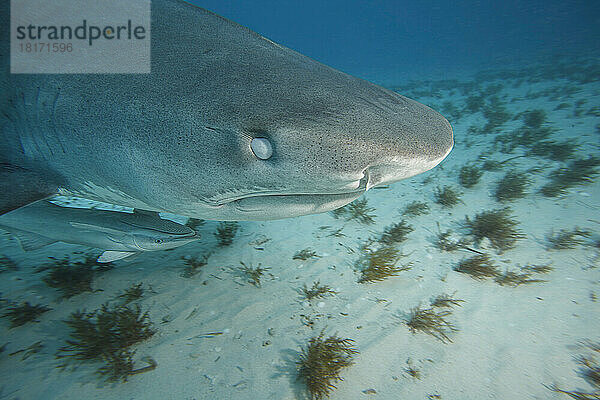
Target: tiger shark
[228,125]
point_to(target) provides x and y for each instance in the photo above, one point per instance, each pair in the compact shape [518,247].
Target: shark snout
[414,146]
[392,171]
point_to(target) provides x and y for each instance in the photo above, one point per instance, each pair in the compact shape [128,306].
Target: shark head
[264,132]
[320,159]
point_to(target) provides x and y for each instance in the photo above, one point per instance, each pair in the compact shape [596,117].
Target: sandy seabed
[511,342]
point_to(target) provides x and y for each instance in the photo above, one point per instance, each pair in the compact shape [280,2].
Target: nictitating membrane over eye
[262,148]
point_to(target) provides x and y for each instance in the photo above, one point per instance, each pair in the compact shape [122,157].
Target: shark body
[227,126]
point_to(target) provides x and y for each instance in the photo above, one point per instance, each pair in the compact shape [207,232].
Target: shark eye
[262,148]
[158,241]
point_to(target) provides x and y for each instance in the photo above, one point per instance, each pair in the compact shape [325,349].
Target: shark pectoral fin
[32,241]
[20,186]
[111,255]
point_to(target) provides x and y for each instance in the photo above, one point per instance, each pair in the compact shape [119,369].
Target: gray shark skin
[121,234]
[227,126]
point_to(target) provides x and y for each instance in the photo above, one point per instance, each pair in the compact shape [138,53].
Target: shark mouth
[316,202]
[352,190]
[283,205]
[381,173]
[357,188]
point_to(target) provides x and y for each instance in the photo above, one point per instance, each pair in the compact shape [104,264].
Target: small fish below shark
[119,234]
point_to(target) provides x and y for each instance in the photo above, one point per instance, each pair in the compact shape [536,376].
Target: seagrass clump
[226,231]
[512,186]
[415,208]
[469,175]
[447,196]
[252,274]
[534,118]
[194,264]
[71,278]
[132,293]
[105,336]
[492,165]
[396,233]
[305,254]
[431,321]
[514,279]
[360,211]
[479,267]
[552,150]
[378,265]
[577,172]
[316,291]
[568,239]
[497,226]
[321,362]
[23,313]
[447,301]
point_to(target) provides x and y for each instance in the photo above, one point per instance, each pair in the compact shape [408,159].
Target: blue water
[391,39]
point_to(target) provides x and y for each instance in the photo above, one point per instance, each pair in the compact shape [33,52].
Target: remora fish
[228,126]
[121,234]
